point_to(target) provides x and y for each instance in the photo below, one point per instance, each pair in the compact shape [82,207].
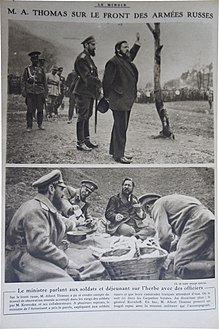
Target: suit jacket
[120,81]
[115,206]
[88,83]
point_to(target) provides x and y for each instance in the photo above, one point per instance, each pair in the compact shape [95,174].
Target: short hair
[118,45]
[128,178]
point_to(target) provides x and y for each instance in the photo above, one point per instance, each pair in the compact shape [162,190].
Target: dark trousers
[118,135]
[34,103]
[85,111]
[58,103]
[71,106]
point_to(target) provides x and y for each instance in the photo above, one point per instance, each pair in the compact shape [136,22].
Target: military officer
[185,222]
[79,204]
[70,84]
[86,90]
[35,234]
[34,89]
[53,91]
[60,97]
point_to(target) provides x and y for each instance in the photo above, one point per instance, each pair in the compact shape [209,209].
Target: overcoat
[190,221]
[120,81]
[33,239]
[88,83]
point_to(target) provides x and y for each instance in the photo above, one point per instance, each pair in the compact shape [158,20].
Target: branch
[150,28]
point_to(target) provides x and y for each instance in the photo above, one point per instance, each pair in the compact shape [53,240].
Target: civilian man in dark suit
[86,90]
[120,89]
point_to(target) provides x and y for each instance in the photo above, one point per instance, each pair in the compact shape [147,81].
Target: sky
[185,45]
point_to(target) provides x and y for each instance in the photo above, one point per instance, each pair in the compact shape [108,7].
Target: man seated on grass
[126,215]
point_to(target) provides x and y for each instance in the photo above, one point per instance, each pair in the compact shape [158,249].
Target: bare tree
[162,112]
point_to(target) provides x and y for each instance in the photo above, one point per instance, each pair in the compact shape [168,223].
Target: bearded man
[120,90]
[35,234]
[125,214]
[87,88]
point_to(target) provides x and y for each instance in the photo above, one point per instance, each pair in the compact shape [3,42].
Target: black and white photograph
[154,81]
[109,171]
[108,224]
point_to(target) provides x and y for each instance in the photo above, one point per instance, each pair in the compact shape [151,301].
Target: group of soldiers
[42,90]
[183,226]
[84,89]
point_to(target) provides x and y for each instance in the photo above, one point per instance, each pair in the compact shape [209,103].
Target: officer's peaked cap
[54,177]
[34,54]
[149,198]
[55,67]
[88,40]
[90,185]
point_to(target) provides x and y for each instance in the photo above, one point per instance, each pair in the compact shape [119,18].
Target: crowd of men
[84,89]
[182,225]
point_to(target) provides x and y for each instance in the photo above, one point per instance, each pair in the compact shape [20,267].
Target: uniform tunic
[33,237]
[88,83]
[86,90]
[53,92]
[34,89]
[75,199]
[191,221]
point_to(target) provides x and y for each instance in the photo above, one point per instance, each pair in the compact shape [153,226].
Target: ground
[191,123]
[56,148]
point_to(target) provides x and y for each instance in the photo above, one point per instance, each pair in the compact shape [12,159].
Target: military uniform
[61,91]
[193,224]
[70,84]
[86,90]
[53,91]
[34,90]
[75,199]
[34,236]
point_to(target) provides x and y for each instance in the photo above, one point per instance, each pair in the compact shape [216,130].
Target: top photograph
[121,85]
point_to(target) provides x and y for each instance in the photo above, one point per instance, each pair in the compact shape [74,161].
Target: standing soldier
[61,90]
[53,91]
[86,90]
[34,90]
[41,64]
[70,84]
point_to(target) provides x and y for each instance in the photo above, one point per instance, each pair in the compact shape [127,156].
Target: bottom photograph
[87,224]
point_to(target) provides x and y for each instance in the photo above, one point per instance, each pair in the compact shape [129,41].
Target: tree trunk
[157,85]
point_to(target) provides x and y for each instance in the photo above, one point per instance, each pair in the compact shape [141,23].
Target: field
[193,144]
[168,162]
[197,182]
[191,123]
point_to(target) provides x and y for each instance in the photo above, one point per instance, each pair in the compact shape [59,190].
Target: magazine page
[109,164]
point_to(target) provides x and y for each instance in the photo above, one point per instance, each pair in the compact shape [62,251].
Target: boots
[81,146]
